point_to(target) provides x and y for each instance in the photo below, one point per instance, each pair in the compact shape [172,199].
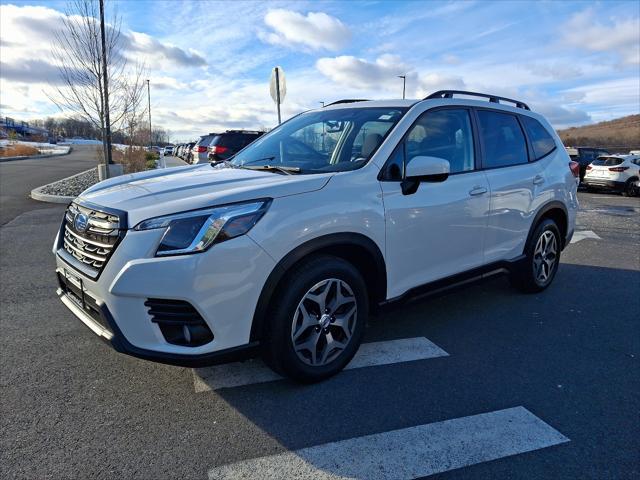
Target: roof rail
[492,98]
[347,100]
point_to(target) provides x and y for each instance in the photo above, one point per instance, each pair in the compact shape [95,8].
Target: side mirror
[424,169]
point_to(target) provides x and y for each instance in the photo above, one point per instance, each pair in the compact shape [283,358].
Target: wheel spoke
[320,298]
[307,321]
[339,300]
[331,345]
[310,345]
[343,320]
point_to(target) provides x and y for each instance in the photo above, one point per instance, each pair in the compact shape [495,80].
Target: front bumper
[222,284]
[96,316]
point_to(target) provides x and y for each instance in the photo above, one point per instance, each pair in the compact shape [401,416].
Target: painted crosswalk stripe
[407,453]
[584,234]
[369,354]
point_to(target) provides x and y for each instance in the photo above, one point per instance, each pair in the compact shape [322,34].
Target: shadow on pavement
[545,352]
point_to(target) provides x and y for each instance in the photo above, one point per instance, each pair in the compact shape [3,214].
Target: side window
[503,140]
[445,134]
[541,141]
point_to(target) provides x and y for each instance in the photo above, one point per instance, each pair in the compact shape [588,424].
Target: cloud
[618,35]
[316,30]
[29,32]
[30,71]
[555,70]
[383,74]
[146,44]
[360,73]
[432,82]
[560,116]
[450,59]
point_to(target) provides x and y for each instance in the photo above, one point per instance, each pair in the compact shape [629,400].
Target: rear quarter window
[502,139]
[541,140]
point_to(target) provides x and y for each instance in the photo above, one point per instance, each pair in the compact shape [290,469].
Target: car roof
[621,156]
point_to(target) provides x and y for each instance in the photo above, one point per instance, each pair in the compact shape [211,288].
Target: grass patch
[18,150]
[134,159]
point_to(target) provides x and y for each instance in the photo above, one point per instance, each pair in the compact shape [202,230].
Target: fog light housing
[179,322]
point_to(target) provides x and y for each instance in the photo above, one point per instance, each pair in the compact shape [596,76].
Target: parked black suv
[584,156]
[226,144]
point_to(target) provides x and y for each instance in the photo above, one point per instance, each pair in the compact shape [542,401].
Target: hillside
[620,135]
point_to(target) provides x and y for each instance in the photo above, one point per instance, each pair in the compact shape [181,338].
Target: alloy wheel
[545,256]
[324,322]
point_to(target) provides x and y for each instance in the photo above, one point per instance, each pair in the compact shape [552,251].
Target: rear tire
[629,190]
[318,320]
[542,253]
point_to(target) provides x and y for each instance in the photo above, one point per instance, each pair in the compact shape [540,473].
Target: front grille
[179,322]
[92,245]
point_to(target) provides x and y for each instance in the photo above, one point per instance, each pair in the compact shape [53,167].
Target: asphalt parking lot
[491,383]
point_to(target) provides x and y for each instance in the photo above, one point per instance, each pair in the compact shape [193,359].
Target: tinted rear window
[541,140]
[205,141]
[502,138]
[235,140]
[607,161]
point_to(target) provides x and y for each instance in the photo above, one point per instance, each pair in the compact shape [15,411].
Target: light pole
[149,107]
[105,85]
[404,84]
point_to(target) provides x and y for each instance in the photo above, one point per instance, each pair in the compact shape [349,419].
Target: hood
[165,191]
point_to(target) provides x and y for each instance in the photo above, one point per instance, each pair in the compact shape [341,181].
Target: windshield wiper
[276,168]
[256,160]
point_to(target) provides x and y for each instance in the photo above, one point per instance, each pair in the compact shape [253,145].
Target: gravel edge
[37,194]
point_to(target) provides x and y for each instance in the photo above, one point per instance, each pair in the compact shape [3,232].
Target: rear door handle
[477,190]
[538,180]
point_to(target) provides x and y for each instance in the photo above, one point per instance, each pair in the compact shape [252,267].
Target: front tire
[542,253]
[317,323]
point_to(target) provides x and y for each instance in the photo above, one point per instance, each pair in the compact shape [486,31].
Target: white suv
[286,248]
[616,172]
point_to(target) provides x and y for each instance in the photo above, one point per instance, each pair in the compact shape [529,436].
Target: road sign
[278,87]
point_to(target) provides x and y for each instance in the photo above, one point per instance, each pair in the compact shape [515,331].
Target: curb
[37,194]
[13,159]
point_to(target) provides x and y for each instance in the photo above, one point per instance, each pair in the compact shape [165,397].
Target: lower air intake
[179,322]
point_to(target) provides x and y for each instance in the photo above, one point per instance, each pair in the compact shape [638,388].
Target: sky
[209,63]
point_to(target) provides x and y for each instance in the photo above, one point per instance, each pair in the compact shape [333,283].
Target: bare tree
[77,51]
[133,115]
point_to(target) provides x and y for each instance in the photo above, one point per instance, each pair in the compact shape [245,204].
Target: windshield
[323,141]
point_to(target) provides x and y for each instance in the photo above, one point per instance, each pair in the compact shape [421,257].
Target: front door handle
[538,180]
[477,190]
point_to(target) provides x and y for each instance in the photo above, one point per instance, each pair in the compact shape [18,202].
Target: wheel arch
[555,211]
[356,248]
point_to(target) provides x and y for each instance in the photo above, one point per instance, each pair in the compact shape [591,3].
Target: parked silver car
[200,153]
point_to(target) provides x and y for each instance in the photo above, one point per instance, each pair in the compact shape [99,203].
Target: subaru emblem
[81,222]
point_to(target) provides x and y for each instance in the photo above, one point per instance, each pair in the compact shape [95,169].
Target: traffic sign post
[278,88]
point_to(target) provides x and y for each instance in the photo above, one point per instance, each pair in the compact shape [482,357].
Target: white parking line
[369,354]
[407,453]
[581,235]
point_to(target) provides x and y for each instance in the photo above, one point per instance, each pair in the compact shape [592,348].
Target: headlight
[195,231]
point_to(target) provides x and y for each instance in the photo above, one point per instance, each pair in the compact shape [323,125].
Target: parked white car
[614,172]
[284,250]
[168,150]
